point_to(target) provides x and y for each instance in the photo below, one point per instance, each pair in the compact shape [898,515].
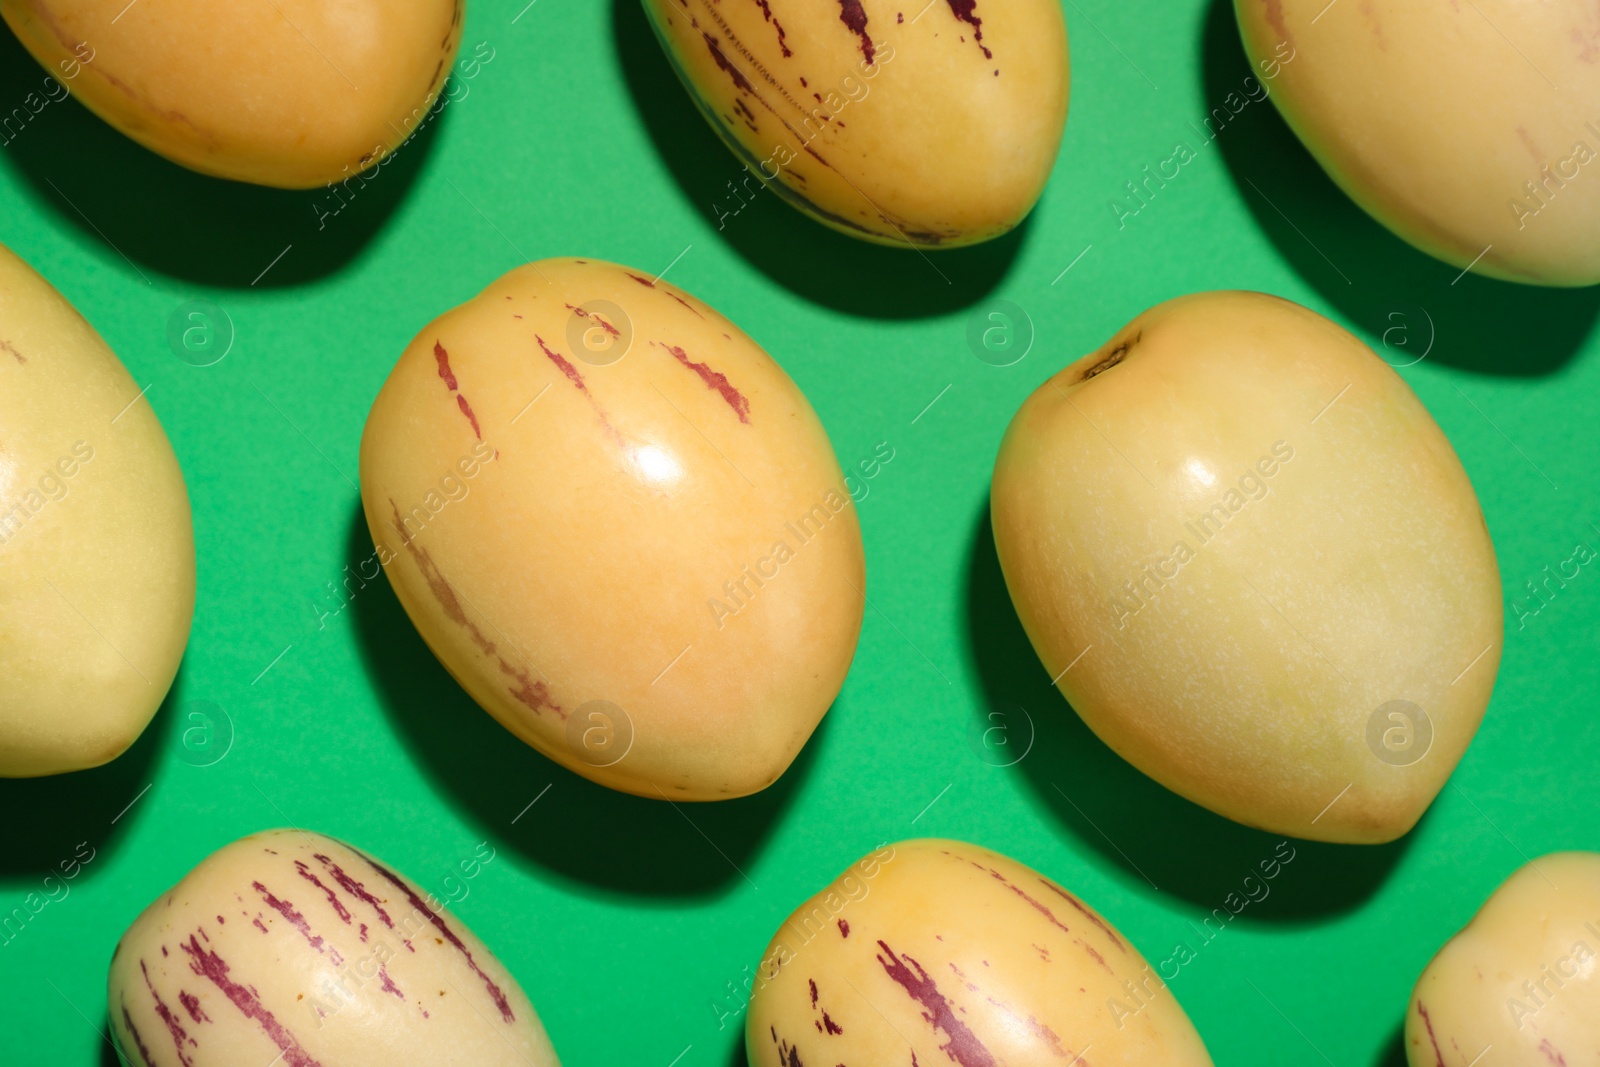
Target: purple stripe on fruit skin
[1034,903]
[536,695]
[1042,909]
[1428,1022]
[963,1047]
[1087,914]
[191,1004]
[495,992]
[333,898]
[563,364]
[174,1024]
[133,1032]
[296,920]
[353,887]
[714,380]
[766,10]
[388,983]
[596,317]
[855,19]
[208,965]
[965,11]
[576,378]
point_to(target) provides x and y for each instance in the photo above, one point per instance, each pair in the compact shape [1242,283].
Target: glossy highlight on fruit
[620,526]
[97,570]
[1470,130]
[1521,977]
[930,126]
[288,947]
[1254,565]
[287,93]
[930,952]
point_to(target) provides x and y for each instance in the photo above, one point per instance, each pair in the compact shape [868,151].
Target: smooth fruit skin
[935,129]
[96,545]
[969,958]
[1234,536]
[1520,978]
[1468,129]
[286,93]
[668,533]
[292,948]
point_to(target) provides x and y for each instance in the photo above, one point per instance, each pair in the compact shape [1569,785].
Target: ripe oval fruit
[289,93]
[96,546]
[967,957]
[933,126]
[1521,976]
[620,526]
[1467,129]
[290,947]
[1255,566]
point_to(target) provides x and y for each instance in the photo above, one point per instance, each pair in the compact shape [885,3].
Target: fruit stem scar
[1112,358]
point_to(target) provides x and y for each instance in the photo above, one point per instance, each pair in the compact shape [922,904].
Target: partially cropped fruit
[1467,129]
[619,524]
[930,952]
[289,93]
[287,947]
[96,546]
[1254,565]
[930,126]
[1520,980]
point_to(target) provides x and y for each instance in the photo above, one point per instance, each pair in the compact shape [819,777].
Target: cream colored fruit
[934,127]
[289,93]
[96,546]
[1237,539]
[1520,980]
[930,952]
[648,567]
[292,948]
[1471,130]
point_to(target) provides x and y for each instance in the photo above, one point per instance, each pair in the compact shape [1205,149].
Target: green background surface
[625,919]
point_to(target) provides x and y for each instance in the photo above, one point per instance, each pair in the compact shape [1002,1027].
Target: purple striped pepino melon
[291,948]
[939,952]
[917,125]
